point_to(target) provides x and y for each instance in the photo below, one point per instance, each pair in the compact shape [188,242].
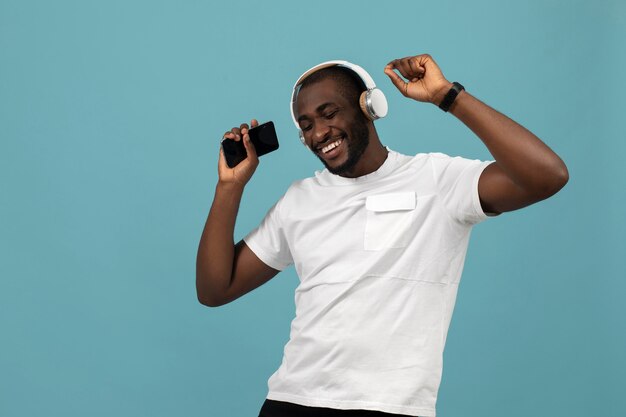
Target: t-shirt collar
[326,178]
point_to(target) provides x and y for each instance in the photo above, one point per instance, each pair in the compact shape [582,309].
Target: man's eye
[330,115]
[305,128]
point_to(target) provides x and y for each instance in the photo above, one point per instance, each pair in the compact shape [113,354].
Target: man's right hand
[240,174]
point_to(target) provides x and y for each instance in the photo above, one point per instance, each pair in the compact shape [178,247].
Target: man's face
[334,129]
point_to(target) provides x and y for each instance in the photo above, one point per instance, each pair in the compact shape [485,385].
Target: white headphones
[372,101]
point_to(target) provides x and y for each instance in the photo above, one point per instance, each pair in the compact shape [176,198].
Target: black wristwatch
[451,96]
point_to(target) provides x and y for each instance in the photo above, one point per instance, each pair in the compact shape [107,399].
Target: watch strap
[451,96]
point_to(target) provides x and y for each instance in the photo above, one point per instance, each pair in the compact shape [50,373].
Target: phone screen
[263,137]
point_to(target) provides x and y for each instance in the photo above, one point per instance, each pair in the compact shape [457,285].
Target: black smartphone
[263,137]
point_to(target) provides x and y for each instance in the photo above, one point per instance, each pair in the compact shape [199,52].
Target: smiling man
[337,89]
[378,239]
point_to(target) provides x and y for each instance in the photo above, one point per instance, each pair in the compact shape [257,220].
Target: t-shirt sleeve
[457,184]
[268,241]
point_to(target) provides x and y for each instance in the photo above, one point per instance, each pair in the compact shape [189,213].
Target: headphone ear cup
[301,135]
[363,105]
[374,104]
[377,103]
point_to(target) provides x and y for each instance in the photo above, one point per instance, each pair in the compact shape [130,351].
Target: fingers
[400,84]
[234,134]
[245,129]
[404,66]
[412,67]
[416,70]
[250,149]
[237,133]
[241,133]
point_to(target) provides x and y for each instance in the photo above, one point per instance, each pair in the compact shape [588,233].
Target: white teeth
[331,146]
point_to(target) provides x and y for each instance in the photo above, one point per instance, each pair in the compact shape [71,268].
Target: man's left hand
[423,80]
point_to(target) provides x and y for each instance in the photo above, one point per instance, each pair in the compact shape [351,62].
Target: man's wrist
[441,93]
[450,97]
[460,99]
[230,187]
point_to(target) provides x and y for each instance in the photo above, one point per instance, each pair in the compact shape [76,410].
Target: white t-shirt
[379,259]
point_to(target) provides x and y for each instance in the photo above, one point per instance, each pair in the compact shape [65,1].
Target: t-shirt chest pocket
[389,219]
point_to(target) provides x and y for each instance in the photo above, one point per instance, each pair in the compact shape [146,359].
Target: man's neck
[373,158]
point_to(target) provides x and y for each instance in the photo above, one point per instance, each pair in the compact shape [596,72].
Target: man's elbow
[553,182]
[209,298]
[560,178]
[563,177]
[210,301]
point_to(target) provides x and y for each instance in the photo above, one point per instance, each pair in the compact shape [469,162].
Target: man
[378,240]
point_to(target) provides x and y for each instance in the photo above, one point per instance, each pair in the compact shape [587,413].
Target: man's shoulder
[436,163]
[299,187]
[439,157]
[428,155]
[421,159]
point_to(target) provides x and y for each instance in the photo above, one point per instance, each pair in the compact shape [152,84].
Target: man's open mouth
[331,146]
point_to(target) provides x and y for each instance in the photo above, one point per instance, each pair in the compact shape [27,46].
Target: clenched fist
[421,80]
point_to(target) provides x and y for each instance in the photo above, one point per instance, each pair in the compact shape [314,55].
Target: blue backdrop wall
[110,118]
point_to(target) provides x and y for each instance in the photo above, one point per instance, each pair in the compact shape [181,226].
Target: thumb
[400,84]
[250,149]
[222,165]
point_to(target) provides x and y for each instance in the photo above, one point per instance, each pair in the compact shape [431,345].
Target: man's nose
[320,132]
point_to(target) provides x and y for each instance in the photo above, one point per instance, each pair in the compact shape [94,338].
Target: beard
[359,140]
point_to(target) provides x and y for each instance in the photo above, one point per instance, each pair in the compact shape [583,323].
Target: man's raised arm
[526,169]
[225,271]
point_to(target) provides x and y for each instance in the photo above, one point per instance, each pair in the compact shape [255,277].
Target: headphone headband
[367,79]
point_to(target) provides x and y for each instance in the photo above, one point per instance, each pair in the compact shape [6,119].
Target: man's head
[349,84]
[332,122]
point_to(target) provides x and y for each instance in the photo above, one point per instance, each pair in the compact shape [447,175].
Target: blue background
[110,117]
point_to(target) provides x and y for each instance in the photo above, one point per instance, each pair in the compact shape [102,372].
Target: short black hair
[350,84]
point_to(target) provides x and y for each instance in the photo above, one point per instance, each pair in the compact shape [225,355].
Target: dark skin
[525,170]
